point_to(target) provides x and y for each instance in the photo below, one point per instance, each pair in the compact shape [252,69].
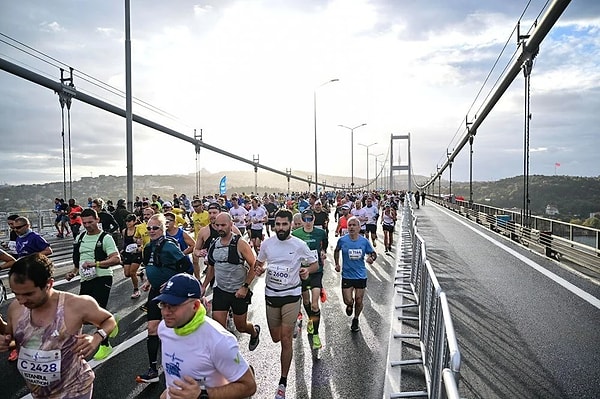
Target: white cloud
[245,72]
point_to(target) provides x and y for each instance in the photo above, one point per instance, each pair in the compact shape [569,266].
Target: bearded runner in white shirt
[284,257]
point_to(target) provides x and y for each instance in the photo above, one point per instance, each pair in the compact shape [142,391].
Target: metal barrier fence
[440,355]
[561,241]
[42,220]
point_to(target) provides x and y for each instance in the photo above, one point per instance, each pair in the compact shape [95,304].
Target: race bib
[39,367]
[12,245]
[87,272]
[131,248]
[355,254]
[278,276]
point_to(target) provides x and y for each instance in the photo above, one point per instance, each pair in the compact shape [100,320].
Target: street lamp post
[315,117]
[376,172]
[352,150]
[367,147]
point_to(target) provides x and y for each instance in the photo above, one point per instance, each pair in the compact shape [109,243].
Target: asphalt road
[351,365]
[524,328]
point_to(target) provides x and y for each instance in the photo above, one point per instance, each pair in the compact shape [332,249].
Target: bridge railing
[42,221]
[556,239]
[440,355]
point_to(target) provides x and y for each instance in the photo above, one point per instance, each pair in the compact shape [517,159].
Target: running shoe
[354,326]
[280,392]
[150,376]
[323,295]
[13,356]
[310,328]
[350,309]
[316,342]
[254,341]
[103,352]
[136,294]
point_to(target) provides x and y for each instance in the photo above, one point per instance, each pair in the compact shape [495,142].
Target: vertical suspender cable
[62,133]
[527,65]
[70,157]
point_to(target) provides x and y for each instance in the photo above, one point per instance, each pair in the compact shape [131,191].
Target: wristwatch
[101,333]
[203,392]
[245,285]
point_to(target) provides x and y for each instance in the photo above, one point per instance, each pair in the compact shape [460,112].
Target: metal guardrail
[42,221]
[440,355]
[579,245]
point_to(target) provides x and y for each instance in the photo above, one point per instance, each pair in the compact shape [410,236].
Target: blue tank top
[179,237]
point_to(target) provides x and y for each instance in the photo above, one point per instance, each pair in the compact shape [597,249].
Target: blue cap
[180,288]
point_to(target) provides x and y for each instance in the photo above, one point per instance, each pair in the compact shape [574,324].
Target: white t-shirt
[210,353]
[371,214]
[254,215]
[284,259]
[361,214]
[239,216]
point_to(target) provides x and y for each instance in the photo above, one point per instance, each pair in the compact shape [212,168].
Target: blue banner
[223,185]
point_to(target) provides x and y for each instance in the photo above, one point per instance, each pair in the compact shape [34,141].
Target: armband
[97,263]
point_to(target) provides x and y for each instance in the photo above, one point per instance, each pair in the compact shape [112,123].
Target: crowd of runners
[177,250]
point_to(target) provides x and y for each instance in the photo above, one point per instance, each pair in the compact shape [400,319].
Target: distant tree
[593,222]
[576,221]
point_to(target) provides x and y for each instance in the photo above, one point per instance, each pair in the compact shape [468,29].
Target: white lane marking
[561,281]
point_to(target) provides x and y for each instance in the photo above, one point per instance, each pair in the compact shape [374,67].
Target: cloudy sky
[246,72]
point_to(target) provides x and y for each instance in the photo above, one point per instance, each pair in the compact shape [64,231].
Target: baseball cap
[346,207]
[179,289]
[167,204]
[308,212]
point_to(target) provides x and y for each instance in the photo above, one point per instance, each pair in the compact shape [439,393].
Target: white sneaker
[280,392]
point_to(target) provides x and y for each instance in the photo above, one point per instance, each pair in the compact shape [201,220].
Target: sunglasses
[308,219]
[171,308]
[154,228]
[19,227]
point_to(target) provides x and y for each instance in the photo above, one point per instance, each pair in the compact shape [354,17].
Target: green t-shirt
[86,253]
[316,241]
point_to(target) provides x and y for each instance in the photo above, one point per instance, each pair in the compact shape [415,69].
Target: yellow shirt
[180,221]
[141,231]
[200,220]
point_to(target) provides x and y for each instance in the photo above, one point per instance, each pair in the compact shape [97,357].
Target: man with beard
[284,256]
[227,256]
[35,320]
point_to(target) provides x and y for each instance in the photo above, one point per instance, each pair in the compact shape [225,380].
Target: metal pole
[315,120]
[367,147]
[352,151]
[128,106]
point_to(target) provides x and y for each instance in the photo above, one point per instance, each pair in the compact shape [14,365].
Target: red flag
[557,164]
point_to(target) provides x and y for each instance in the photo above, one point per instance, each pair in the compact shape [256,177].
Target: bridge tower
[399,166]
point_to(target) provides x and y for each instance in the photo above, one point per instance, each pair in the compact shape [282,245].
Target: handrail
[558,240]
[440,354]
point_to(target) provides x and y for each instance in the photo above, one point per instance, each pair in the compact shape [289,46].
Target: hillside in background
[575,197]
